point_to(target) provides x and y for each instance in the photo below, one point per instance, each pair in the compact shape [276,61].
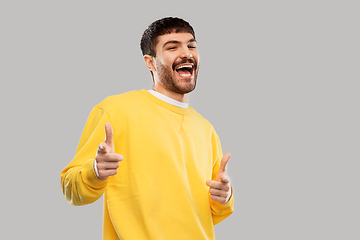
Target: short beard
[167,80]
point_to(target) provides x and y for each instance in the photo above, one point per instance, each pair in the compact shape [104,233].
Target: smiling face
[176,64]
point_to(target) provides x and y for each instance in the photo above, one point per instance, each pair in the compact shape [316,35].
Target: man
[170,180]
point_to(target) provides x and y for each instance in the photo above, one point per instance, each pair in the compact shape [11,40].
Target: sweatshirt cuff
[90,176]
[231,189]
[96,169]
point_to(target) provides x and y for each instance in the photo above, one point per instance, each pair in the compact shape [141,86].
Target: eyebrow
[178,42]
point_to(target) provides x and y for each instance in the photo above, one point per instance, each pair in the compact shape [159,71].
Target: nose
[186,53]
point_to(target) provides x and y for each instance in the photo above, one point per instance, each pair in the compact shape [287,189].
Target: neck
[176,96]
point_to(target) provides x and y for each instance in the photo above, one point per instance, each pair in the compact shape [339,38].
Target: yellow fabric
[159,191]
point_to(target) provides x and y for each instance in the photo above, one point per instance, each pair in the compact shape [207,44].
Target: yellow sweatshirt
[159,191]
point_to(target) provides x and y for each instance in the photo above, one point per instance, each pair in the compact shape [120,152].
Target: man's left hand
[220,190]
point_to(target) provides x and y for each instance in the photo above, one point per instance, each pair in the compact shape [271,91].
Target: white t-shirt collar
[168,100]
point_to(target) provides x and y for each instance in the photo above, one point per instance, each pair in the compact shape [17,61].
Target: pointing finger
[222,169]
[109,135]
[224,162]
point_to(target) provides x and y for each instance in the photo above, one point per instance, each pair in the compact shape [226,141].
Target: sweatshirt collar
[168,99]
[165,104]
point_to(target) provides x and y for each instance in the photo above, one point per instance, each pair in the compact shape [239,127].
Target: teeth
[185,75]
[185,66]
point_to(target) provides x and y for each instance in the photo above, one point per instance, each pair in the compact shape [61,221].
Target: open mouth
[185,70]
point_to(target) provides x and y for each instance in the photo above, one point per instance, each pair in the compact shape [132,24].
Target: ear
[150,63]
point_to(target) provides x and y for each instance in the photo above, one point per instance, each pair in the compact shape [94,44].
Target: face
[176,62]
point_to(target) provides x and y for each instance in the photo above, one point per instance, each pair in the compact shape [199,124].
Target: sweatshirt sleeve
[219,211]
[79,182]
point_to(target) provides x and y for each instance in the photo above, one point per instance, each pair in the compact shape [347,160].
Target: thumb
[221,175]
[109,135]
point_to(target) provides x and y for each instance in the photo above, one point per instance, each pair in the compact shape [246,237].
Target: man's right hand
[107,162]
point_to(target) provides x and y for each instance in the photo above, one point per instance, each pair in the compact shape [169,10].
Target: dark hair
[161,27]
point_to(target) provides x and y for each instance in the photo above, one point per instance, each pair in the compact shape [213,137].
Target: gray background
[279,80]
